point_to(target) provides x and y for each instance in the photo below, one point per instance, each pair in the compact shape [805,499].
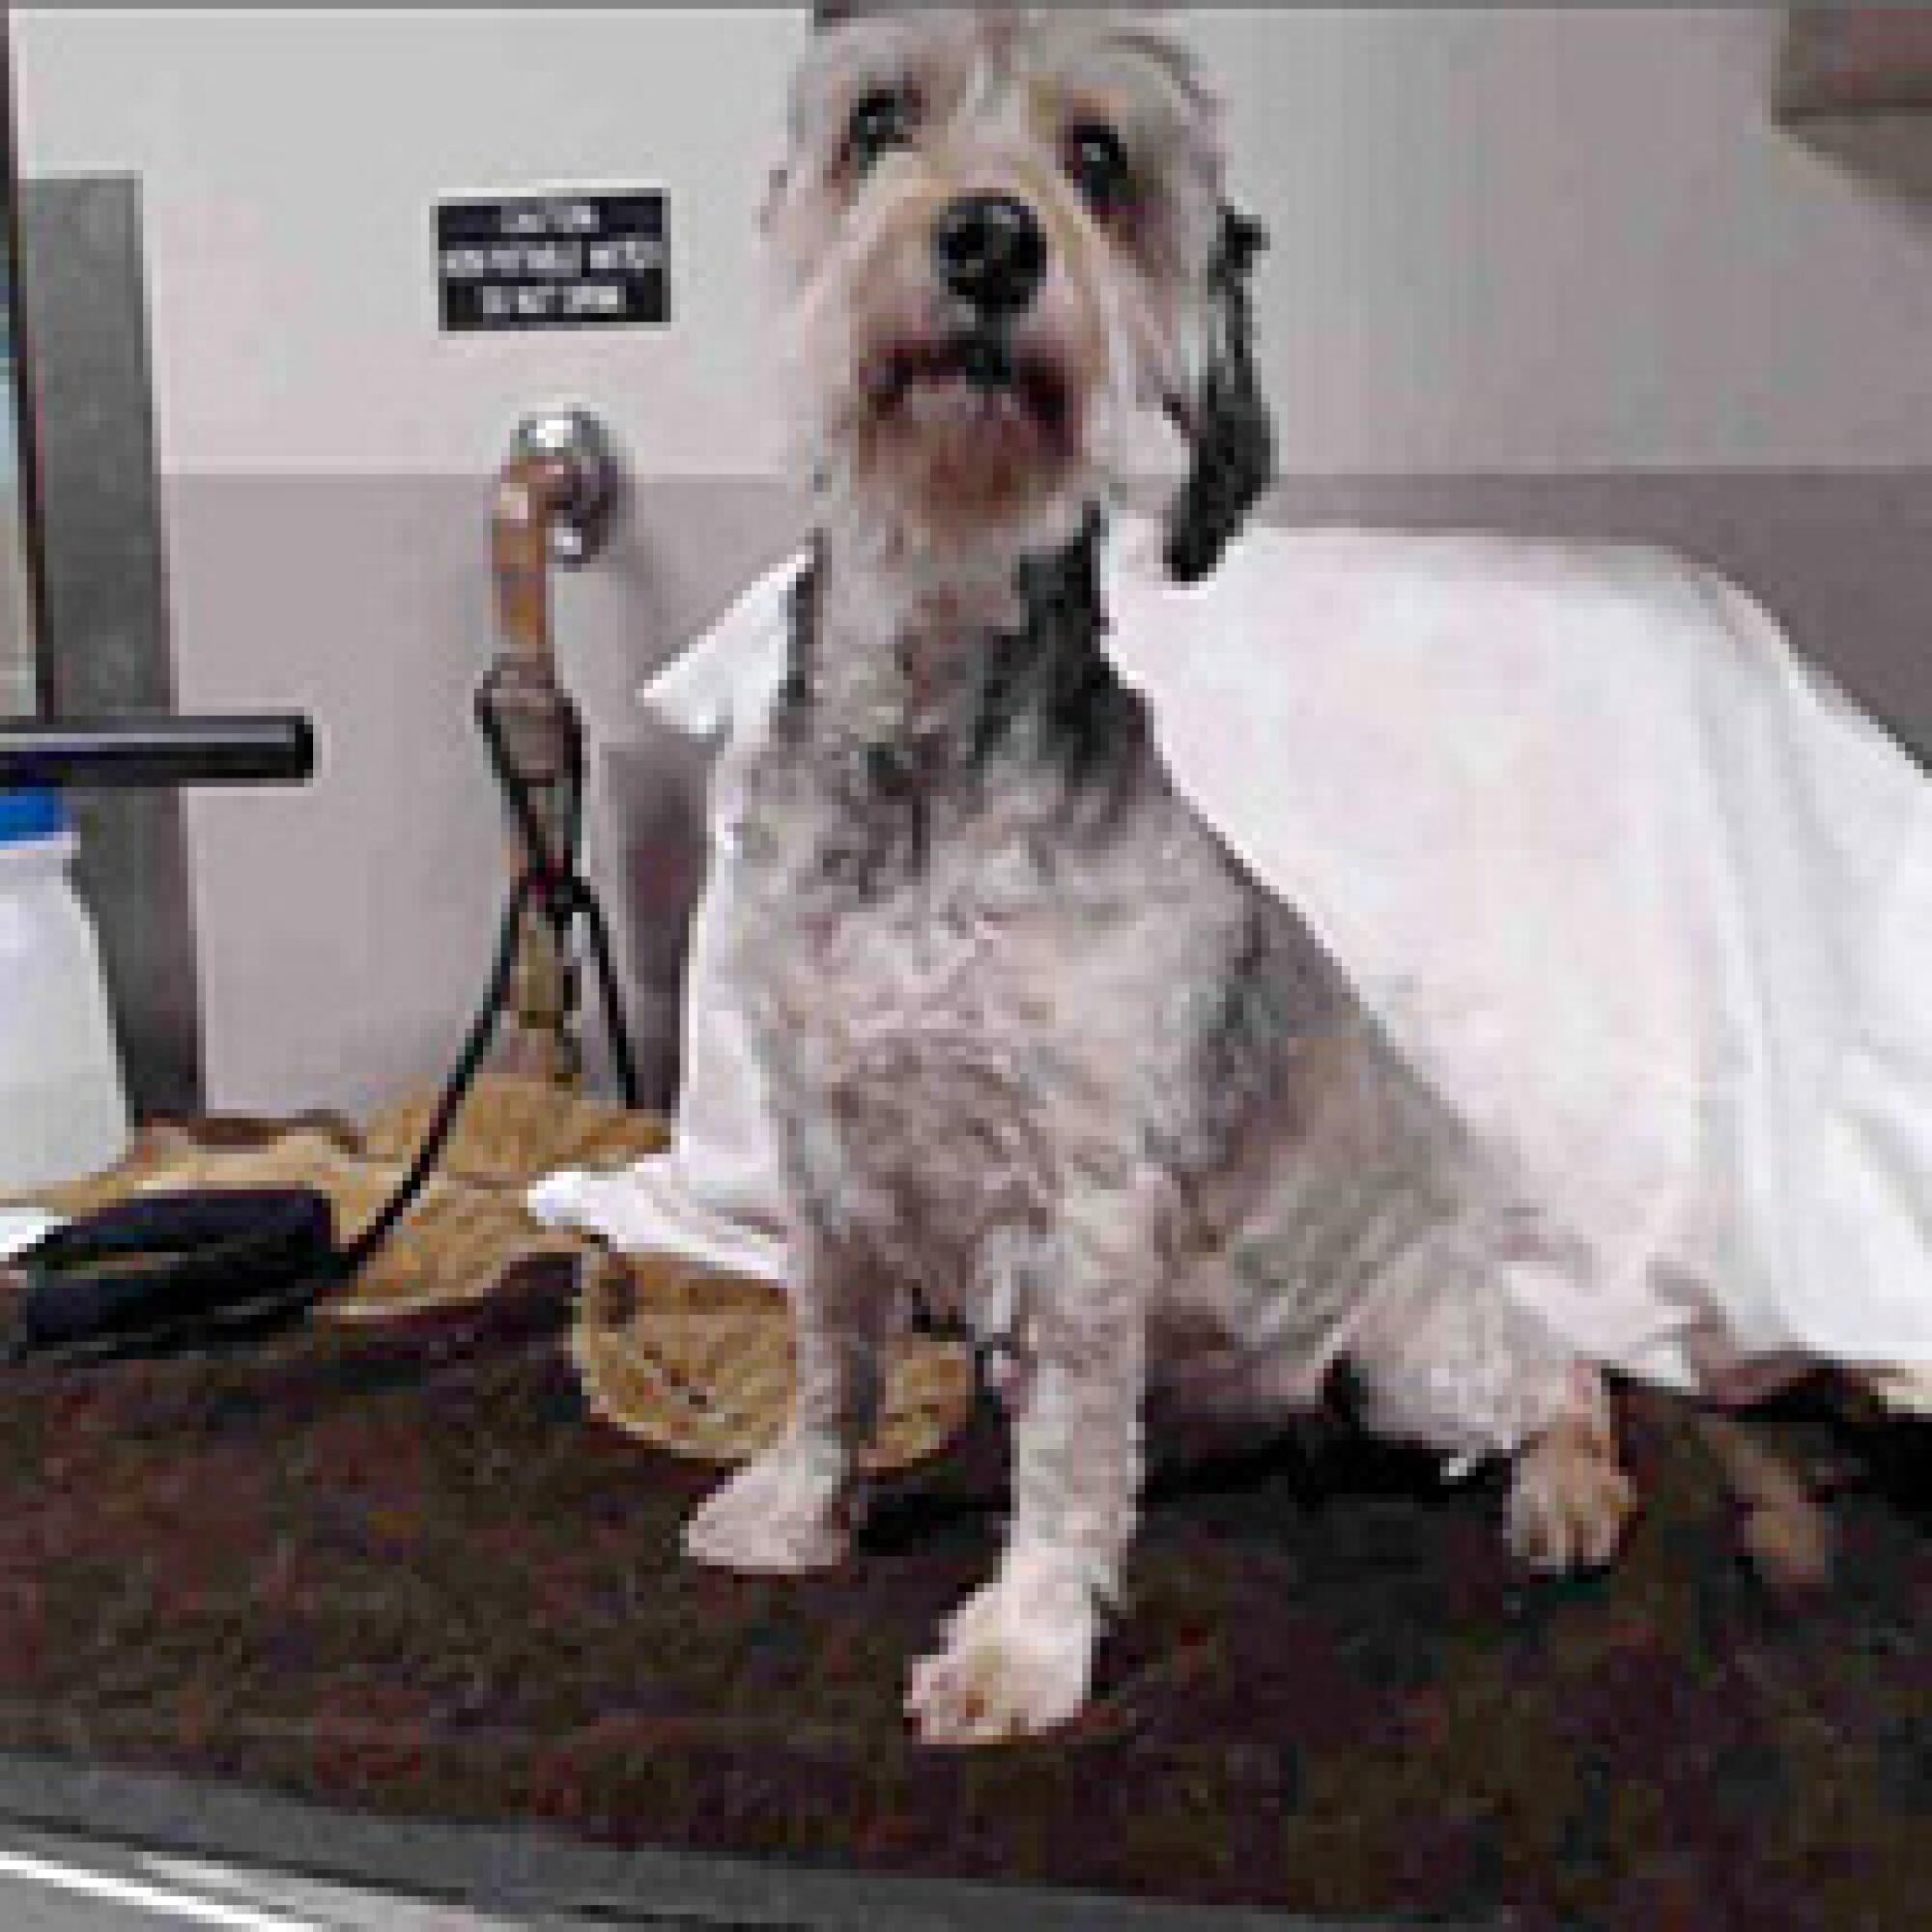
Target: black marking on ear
[1233,459]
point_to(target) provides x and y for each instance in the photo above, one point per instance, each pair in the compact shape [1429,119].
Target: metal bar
[126,754]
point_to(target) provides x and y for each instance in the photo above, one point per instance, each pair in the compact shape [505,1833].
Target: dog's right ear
[1226,421]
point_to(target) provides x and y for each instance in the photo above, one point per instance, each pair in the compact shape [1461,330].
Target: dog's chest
[977,966]
[987,938]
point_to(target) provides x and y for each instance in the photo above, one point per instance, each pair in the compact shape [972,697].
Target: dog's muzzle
[990,253]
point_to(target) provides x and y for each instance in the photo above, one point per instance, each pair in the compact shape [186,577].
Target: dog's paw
[1569,1505]
[1019,1660]
[790,1512]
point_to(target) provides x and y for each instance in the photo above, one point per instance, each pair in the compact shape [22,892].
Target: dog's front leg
[1018,1655]
[795,1508]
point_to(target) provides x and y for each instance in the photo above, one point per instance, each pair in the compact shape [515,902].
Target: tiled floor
[49,1883]
[53,1884]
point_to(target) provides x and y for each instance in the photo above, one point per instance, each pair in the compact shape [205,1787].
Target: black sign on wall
[553,260]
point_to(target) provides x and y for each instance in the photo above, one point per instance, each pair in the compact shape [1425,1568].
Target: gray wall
[343,928]
[1550,270]
[1506,239]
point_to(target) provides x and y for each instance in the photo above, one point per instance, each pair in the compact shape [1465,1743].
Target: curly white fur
[1040,1054]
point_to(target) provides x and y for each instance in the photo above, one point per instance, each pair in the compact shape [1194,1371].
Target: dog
[1043,1059]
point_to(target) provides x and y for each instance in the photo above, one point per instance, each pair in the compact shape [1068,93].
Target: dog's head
[1000,236]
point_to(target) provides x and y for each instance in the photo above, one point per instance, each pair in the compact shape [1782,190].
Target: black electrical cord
[171,1271]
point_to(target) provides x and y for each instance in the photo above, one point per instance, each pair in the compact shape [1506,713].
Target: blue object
[29,815]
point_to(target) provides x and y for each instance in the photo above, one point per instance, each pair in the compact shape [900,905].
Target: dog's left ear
[1226,421]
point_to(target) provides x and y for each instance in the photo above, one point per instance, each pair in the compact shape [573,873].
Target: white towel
[1648,899]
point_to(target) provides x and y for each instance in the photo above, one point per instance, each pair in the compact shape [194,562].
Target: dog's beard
[963,434]
[939,429]
[976,385]
[968,431]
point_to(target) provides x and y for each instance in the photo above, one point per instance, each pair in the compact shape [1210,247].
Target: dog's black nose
[991,252]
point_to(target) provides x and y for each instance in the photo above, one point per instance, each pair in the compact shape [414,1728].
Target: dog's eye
[1096,160]
[883,118]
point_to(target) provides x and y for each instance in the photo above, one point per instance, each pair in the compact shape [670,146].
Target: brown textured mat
[681,1357]
[469,1225]
[701,1364]
[400,1568]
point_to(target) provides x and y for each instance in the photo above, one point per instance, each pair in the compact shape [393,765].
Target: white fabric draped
[1643,894]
